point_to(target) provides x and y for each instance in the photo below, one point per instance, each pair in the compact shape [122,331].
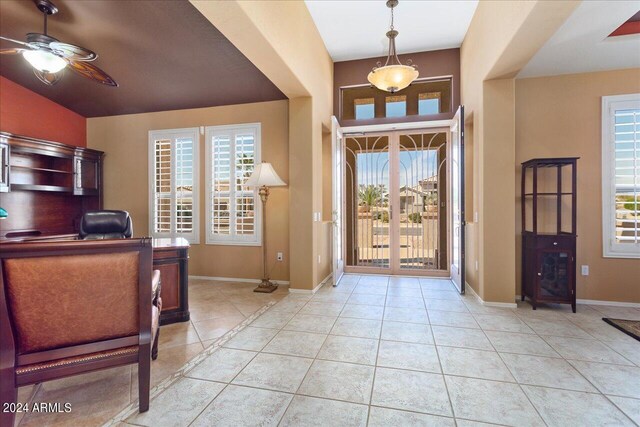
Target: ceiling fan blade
[11,51]
[90,71]
[72,52]
[48,78]
[14,41]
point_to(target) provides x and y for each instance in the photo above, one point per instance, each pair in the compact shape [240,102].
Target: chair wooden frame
[10,362]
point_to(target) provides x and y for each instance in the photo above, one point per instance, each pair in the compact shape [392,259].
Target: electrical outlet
[585,270]
[319,259]
[475,218]
[477,265]
[279,256]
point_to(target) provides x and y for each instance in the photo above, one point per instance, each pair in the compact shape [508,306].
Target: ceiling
[581,44]
[355,29]
[164,55]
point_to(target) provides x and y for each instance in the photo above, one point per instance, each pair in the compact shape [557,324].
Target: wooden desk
[171,257]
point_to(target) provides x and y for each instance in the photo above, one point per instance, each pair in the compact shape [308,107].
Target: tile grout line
[598,391]
[435,344]
[252,359]
[375,366]
[379,340]
[161,387]
[310,365]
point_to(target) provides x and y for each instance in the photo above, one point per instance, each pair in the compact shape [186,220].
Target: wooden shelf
[36,187]
[41,169]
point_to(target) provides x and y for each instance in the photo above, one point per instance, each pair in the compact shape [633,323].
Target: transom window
[173,165]
[421,98]
[364,108]
[233,216]
[396,106]
[621,175]
[429,103]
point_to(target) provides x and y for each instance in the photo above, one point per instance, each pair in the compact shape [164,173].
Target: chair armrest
[155,285]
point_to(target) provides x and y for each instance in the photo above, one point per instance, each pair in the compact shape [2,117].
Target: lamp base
[266,287]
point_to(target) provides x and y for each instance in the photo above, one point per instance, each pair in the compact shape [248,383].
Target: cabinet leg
[522,296]
[573,307]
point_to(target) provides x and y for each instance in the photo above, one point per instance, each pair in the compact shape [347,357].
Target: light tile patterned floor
[384,351]
[216,308]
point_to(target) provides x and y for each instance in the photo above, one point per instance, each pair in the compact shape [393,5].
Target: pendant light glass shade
[393,75]
[392,78]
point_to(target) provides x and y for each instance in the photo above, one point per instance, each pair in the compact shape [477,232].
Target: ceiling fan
[49,57]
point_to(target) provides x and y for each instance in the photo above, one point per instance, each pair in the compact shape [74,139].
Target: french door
[457,200]
[337,198]
[395,210]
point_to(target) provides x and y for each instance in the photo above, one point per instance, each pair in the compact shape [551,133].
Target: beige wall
[294,58]
[124,139]
[560,116]
[325,265]
[502,37]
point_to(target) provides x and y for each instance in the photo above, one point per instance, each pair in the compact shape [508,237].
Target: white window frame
[232,239]
[173,134]
[611,249]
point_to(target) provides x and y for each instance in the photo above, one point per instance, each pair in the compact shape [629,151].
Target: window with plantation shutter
[173,165]
[621,176]
[232,208]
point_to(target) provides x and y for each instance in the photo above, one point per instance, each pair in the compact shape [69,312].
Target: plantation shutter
[627,175]
[174,196]
[621,176]
[233,216]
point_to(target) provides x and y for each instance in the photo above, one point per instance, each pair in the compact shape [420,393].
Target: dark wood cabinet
[548,188]
[171,257]
[48,186]
[87,170]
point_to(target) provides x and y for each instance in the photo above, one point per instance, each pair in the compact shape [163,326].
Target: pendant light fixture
[393,76]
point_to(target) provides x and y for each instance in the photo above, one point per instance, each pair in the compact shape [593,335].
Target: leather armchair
[97,225]
[70,307]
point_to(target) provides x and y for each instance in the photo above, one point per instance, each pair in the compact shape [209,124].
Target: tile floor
[216,308]
[404,351]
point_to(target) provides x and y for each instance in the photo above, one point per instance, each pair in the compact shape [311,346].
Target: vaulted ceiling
[355,29]
[164,55]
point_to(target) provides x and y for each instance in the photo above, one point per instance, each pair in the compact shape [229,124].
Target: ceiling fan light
[392,78]
[44,61]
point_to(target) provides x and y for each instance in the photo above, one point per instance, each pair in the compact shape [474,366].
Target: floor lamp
[264,177]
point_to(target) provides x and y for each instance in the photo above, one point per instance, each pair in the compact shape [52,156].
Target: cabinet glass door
[554,269]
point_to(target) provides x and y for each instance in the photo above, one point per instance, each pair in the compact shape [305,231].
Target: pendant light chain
[393,76]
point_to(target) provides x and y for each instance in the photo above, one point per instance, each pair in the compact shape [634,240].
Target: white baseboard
[610,303]
[600,302]
[236,279]
[488,303]
[314,290]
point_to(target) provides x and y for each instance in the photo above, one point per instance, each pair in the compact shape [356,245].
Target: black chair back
[107,224]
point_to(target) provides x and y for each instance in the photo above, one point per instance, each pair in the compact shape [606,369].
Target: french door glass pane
[368,226]
[422,229]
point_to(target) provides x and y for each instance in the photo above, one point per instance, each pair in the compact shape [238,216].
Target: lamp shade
[264,175]
[393,78]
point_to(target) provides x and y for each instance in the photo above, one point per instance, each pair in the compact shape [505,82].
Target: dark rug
[629,327]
